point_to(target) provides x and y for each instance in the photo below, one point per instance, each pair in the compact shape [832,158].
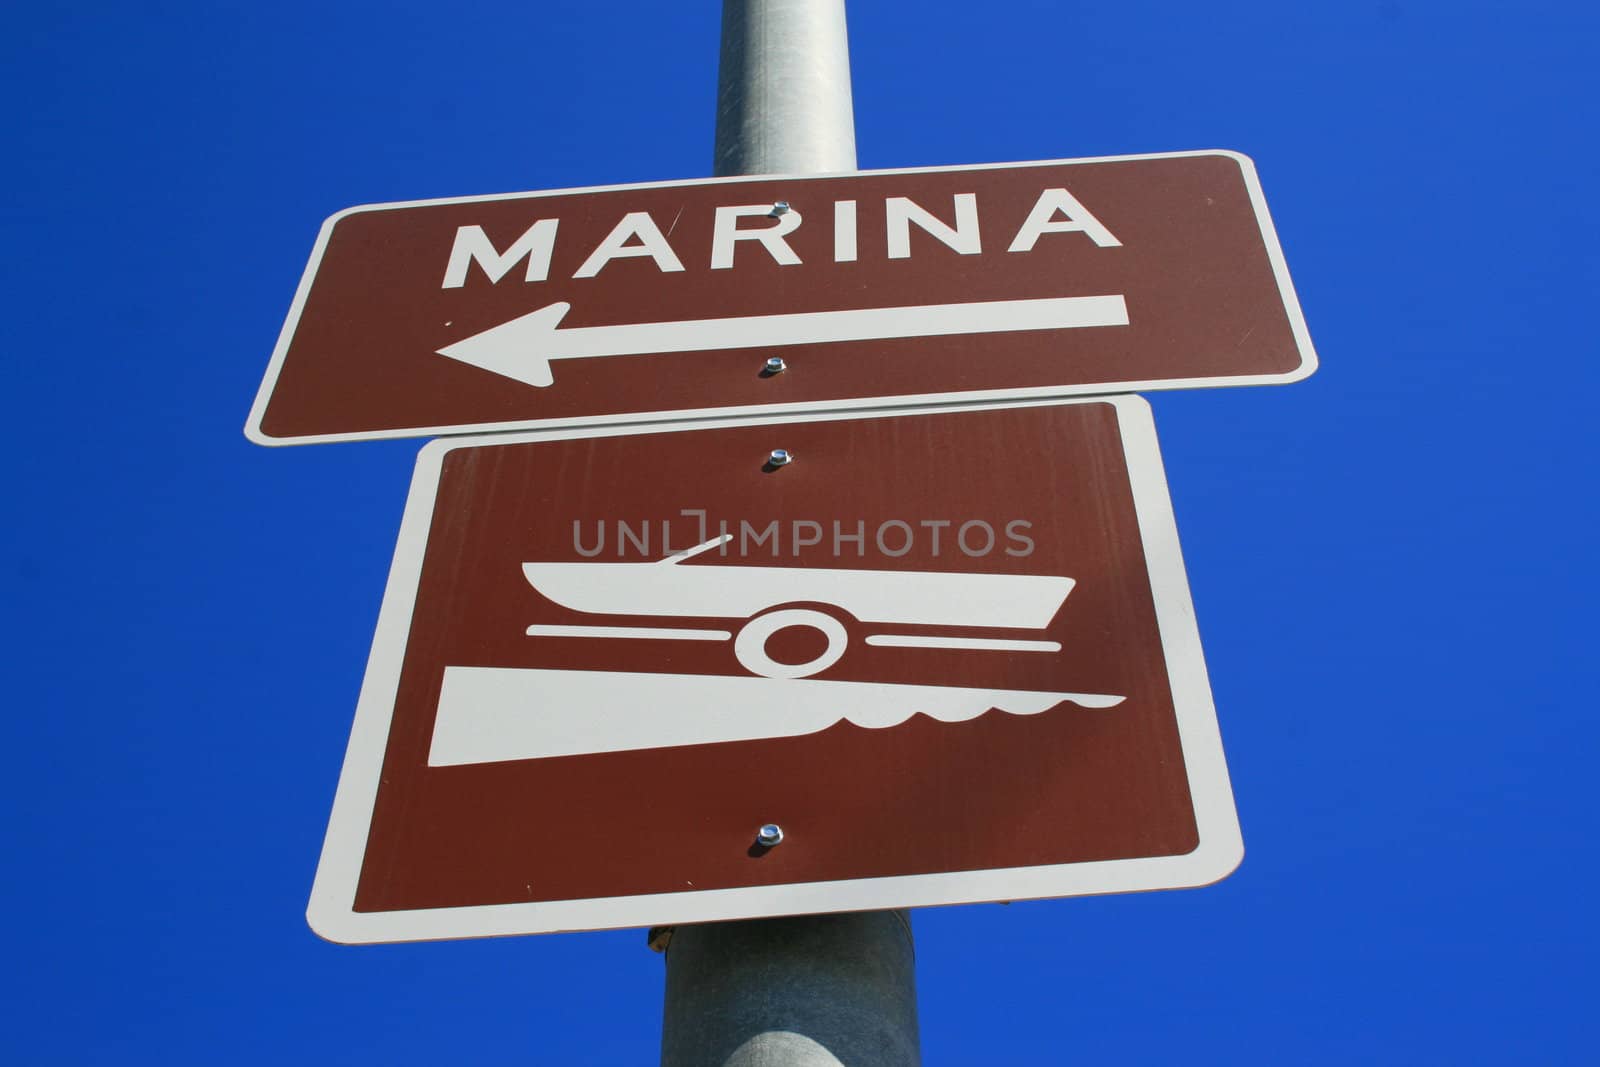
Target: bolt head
[779,456]
[770,834]
[781,207]
[776,365]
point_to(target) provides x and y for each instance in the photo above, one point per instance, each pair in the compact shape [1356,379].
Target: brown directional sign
[648,302]
[932,678]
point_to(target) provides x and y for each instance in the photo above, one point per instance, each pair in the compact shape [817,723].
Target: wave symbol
[496,714]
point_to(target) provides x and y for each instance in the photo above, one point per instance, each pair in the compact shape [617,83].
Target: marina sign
[719,297]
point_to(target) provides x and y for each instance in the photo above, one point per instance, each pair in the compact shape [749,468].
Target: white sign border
[332,914]
[1269,236]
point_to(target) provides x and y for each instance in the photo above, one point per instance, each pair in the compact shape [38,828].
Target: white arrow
[523,348]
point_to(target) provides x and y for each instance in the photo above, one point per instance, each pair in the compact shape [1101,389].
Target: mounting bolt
[780,208]
[770,835]
[776,365]
[779,456]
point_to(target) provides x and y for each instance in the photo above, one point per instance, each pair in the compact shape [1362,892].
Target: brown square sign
[630,677]
[649,302]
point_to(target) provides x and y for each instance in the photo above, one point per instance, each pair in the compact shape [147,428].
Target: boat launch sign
[641,303]
[779,667]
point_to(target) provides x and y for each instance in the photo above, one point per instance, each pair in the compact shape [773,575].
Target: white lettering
[901,212]
[652,243]
[725,231]
[1078,220]
[844,231]
[472,245]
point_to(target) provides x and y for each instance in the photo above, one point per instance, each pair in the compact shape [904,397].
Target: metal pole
[783,89]
[812,990]
[808,991]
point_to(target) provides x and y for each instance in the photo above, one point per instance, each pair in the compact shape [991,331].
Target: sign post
[808,991]
[890,672]
[751,620]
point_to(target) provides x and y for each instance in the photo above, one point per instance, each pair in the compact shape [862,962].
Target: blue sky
[1391,562]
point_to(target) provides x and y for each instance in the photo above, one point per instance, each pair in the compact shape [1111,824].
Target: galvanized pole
[783,89]
[819,990]
[807,991]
